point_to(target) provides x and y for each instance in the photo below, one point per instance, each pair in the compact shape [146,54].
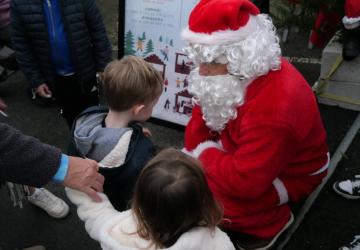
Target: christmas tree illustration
[149,47]
[129,43]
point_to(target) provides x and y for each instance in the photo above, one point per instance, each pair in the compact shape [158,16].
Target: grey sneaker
[354,245]
[53,205]
[349,189]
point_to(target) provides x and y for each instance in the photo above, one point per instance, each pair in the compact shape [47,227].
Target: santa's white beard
[218,96]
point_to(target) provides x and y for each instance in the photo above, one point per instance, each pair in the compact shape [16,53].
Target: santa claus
[351,21]
[255,126]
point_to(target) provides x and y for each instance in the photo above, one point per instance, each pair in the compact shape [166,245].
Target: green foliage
[303,13]
[149,47]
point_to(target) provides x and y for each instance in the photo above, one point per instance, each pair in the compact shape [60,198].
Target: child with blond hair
[113,135]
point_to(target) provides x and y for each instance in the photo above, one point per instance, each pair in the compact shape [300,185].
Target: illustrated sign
[152,31]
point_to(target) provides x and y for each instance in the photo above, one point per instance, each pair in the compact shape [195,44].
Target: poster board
[151,29]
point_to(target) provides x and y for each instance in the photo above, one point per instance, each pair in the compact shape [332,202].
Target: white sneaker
[354,245]
[53,205]
[349,189]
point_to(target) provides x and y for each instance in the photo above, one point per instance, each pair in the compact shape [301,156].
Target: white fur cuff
[187,152]
[281,190]
[351,22]
[205,145]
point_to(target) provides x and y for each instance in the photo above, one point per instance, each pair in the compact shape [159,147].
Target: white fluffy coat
[117,230]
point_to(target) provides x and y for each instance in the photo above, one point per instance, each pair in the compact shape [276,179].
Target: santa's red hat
[351,19]
[214,22]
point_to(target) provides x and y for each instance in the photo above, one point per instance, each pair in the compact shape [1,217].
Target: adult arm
[22,47]
[102,48]
[25,160]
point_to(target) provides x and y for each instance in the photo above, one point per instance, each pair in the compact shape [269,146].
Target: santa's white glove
[202,147]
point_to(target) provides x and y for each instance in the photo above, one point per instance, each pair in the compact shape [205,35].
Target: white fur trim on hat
[205,145]
[351,22]
[222,36]
[281,190]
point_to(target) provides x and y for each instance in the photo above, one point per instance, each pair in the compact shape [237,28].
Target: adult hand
[83,175]
[2,104]
[43,90]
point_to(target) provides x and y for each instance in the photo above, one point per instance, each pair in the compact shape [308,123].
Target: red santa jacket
[274,151]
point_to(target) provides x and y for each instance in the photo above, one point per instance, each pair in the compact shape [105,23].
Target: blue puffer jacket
[89,45]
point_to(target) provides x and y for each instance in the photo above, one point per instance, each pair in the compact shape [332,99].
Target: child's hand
[146,132]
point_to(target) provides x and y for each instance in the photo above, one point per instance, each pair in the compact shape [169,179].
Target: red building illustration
[183,103]
[157,63]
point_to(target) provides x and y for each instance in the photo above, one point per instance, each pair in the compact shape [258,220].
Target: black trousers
[73,97]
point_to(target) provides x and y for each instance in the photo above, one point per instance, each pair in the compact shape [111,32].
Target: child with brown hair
[173,208]
[112,136]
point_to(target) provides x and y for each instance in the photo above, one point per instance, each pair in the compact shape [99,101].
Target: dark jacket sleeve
[102,48]
[21,45]
[25,160]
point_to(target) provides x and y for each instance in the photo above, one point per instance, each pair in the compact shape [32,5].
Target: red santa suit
[351,19]
[273,152]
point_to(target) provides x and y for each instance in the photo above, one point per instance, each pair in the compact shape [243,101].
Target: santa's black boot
[351,48]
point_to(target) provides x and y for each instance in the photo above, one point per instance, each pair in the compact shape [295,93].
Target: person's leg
[244,241]
[9,59]
[73,98]
[351,21]
[47,201]
[5,36]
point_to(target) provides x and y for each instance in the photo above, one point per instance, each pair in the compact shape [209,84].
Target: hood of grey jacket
[94,141]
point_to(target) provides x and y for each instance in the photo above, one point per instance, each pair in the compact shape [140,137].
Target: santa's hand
[206,145]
